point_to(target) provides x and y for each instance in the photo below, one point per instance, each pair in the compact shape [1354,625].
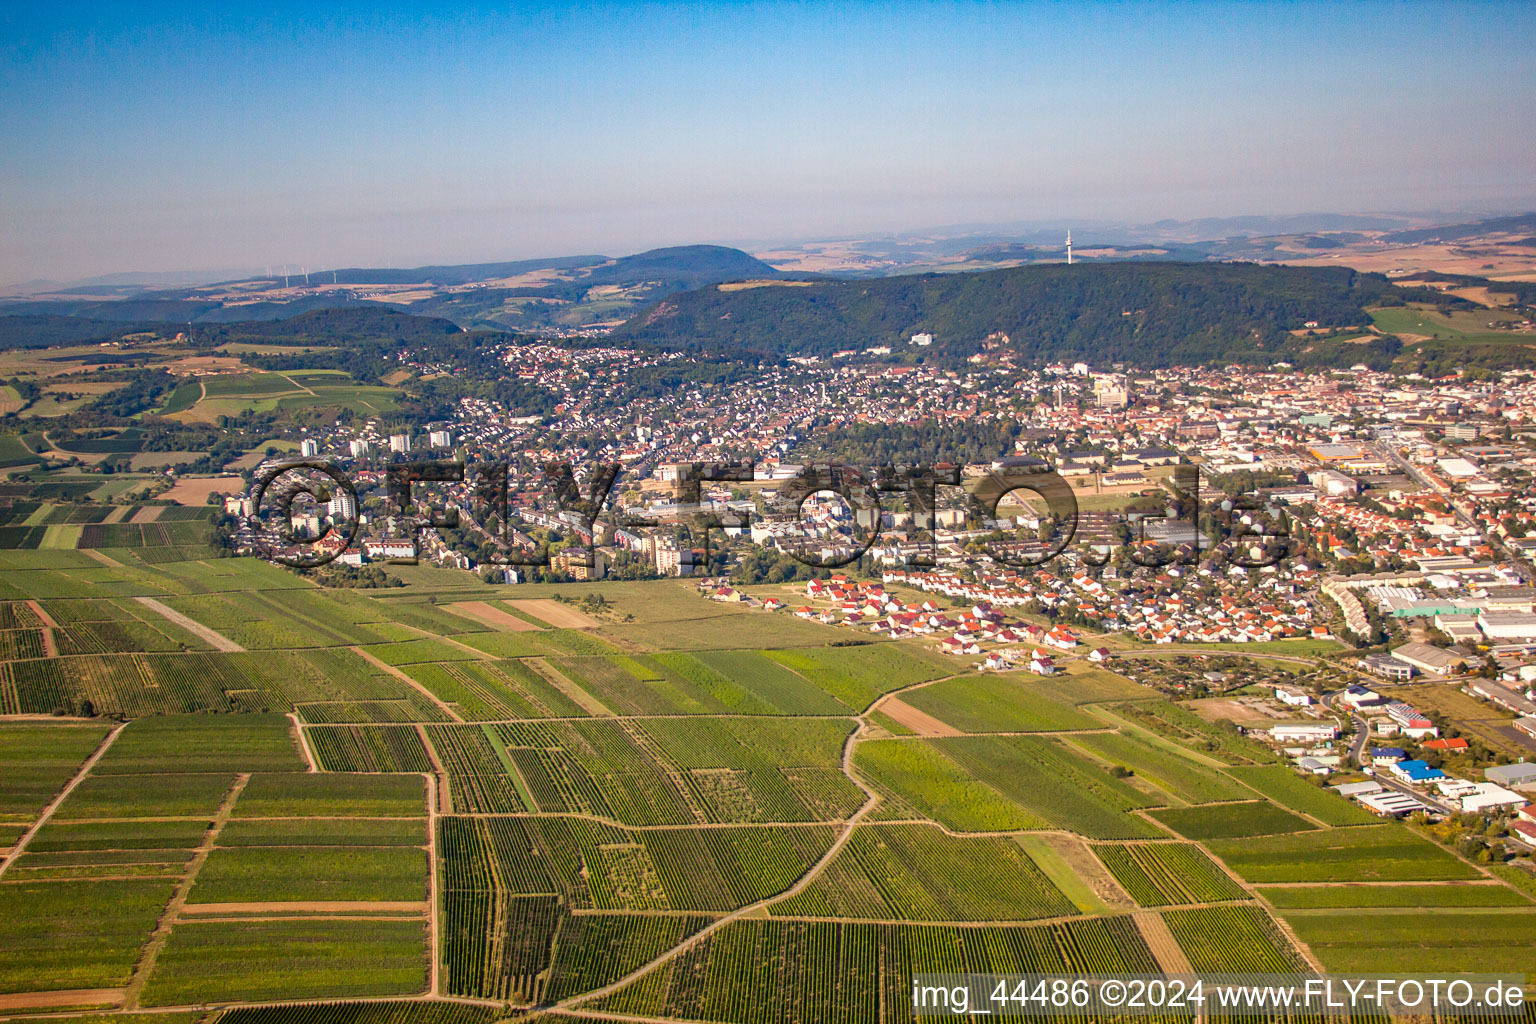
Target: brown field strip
[218,640]
[489,615]
[147,514]
[1162,943]
[559,615]
[60,998]
[920,722]
[567,686]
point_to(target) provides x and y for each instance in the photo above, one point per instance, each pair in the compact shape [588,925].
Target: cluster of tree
[1142,314]
[143,390]
[360,577]
[1246,481]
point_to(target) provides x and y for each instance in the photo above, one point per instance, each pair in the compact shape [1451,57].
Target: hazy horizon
[176,140]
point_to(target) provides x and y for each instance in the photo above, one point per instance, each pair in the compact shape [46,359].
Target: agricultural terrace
[221,784]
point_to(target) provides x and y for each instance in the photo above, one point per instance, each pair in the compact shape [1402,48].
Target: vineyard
[991,704]
[1231,821]
[917,873]
[603,788]
[368,748]
[1288,789]
[1461,941]
[414,1012]
[757,972]
[1167,874]
[1378,854]
[1234,940]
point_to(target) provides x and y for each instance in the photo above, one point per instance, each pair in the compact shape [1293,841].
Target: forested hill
[1146,314]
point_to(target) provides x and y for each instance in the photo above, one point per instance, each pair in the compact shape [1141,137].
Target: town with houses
[1406,504]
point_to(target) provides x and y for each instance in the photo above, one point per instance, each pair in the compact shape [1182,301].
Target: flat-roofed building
[1336,452]
[1510,599]
[1523,774]
[1507,625]
[1488,796]
[1303,732]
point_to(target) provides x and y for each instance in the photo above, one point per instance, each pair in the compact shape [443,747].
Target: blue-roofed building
[1387,755]
[1416,771]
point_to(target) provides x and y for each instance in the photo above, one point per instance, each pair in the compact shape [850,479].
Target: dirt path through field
[60,998]
[53,805]
[384,666]
[434,898]
[106,560]
[560,681]
[487,614]
[760,907]
[920,722]
[173,909]
[298,730]
[219,641]
[561,616]
[444,801]
[50,642]
[47,620]
[1161,941]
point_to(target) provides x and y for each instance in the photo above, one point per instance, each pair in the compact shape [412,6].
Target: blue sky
[157,137]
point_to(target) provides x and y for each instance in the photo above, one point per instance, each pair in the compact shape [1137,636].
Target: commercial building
[1303,732]
[1489,796]
[1429,660]
[1416,772]
[1523,774]
[1387,667]
[1507,625]
[1390,803]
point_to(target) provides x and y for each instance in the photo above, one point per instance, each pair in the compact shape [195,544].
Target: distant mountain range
[560,293]
[589,294]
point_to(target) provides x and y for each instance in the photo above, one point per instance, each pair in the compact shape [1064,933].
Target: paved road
[1390,451]
[1357,753]
[1362,728]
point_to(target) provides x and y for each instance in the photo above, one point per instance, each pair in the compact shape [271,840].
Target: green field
[1168,874]
[1383,853]
[576,803]
[1228,821]
[1403,897]
[284,874]
[68,935]
[917,873]
[1411,942]
[996,703]
[288,960]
